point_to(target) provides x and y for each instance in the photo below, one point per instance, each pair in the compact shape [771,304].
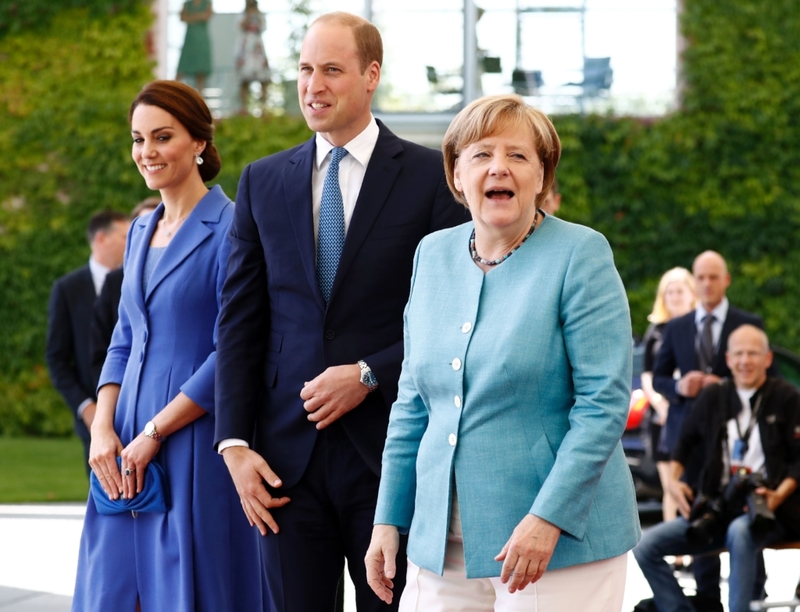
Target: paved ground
[39,544]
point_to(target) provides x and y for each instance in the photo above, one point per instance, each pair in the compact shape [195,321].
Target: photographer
[749,431]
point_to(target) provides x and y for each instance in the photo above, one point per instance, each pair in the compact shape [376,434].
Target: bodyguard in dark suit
[694,346]
[310,334]
[69,319]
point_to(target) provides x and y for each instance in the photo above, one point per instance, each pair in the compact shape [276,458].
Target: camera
[741,491]
[711,515]
[706,520]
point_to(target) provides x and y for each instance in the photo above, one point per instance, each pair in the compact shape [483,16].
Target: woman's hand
[136,457]
[527,552]
[103,452]
[380,560]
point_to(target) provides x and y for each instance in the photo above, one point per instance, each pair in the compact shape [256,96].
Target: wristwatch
[367,377]
[151,432]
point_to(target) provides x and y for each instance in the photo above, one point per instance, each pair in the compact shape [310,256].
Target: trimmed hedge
[722,173]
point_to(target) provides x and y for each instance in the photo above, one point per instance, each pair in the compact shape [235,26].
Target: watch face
[149,428]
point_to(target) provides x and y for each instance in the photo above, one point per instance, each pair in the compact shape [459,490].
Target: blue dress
[201,554]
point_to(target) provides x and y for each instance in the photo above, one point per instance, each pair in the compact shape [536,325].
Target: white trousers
[589,587]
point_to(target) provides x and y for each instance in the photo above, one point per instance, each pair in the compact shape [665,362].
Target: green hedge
[722,173]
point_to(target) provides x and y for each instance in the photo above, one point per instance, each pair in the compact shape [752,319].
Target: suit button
[466,327]
[456,364]
[452,439]
[330,334]
[457,401]
[141,357]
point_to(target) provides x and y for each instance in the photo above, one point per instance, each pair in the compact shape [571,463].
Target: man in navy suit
[70,315]
[309,351]
[692,349]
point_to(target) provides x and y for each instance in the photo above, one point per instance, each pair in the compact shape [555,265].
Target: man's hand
[691,383]
[249,471]
[88,414]
[683,496]
[333,394]
[710,379]
[527,552]
[380,561]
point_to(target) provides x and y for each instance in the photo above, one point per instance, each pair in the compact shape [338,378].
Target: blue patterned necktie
[331,225]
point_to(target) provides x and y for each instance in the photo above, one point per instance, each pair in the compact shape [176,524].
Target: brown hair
[493,114]
[149,204]
[368,40]
[189,108]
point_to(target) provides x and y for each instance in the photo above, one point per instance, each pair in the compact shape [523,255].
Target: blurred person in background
[69,320]
[691,350]
[748,433]
[552,201]
[106,306]
[156,391]
[503,460]
[251,58]
[195,60]
[674,298]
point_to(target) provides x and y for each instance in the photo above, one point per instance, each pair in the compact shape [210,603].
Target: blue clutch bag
[153,498]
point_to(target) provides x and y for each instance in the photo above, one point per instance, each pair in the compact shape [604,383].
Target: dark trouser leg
[706,574]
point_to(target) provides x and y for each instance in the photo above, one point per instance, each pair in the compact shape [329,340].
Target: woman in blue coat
[156,391]
[503,460]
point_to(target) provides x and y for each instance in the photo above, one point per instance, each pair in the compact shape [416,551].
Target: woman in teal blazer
[503,455]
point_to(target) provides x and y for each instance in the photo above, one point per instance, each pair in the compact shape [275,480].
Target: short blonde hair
[660,313]
[491,115]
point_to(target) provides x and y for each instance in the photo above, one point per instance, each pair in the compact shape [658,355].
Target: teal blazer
[515,388]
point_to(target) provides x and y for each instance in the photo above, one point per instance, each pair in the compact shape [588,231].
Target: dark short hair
[151,202]
[368,39]
[188,107]
[491,115]
[103,221]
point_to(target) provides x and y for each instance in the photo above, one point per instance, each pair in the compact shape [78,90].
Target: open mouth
[318,105]
[499,194]
[155,168]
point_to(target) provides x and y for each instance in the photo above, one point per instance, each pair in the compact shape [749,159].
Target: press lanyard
[740,446]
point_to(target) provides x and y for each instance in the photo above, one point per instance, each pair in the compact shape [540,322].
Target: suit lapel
[141,235]
[298,194]
[191,235]
[379,179]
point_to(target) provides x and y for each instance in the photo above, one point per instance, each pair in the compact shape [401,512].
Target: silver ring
[128,471]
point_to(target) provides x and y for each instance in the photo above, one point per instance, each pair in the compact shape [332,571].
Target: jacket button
[466,327]
[456,364]
[330,334]
[452,439]
[457,401]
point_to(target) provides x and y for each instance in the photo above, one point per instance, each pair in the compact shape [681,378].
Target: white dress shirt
[352,169]
[99,273]
[720,314]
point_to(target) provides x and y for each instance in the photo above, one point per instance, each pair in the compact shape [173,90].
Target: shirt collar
[720,312]
[360,148]
[97,269]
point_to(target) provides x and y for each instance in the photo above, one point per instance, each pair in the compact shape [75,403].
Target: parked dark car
[636,441]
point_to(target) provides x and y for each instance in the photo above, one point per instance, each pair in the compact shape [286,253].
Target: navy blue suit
[276,332]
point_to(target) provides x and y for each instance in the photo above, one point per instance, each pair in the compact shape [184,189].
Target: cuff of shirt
[228,442]
[83,405]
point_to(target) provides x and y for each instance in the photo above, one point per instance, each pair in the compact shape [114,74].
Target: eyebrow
[158,129]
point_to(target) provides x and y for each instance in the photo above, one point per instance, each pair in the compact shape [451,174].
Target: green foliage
[25,15]
[65,145]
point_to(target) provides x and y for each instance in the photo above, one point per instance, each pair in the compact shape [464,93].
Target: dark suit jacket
[104,318]
[67,350]
[275,331]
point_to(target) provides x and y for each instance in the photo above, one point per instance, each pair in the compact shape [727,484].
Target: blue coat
[515,385]
[201,554]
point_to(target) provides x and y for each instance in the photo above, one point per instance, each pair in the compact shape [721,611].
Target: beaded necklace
[477,258]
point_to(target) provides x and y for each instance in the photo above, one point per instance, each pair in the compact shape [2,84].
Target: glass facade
[564,56]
